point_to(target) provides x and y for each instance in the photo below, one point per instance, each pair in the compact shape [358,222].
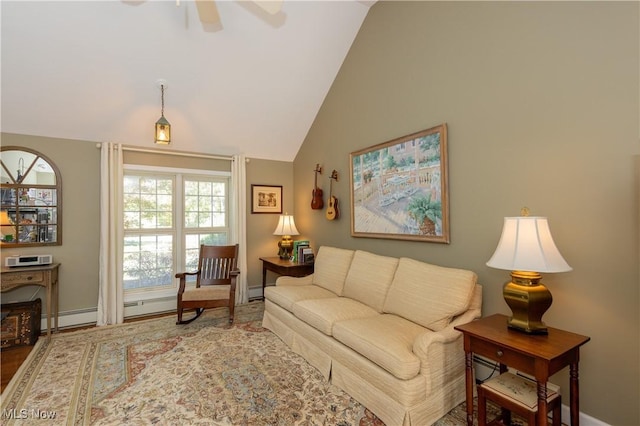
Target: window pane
[204,188]
[148,202]
[147,261]
[205,202]
[191,219]
[131,220]
[219,220]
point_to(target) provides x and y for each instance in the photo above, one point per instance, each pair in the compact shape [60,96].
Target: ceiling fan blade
[208,11]
[269,6]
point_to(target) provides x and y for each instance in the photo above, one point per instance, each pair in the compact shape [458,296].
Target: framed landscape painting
[399,188]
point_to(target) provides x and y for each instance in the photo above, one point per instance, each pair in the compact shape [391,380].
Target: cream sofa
[381,329]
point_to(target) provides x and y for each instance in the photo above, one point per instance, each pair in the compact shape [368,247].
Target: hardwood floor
[12,358]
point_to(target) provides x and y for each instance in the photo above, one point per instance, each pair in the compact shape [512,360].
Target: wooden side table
[538,355]
[42,275]
[283,267]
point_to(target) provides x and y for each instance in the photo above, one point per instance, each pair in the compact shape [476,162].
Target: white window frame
[178,228]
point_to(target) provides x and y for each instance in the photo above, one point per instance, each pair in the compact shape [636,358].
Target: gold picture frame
[399,189]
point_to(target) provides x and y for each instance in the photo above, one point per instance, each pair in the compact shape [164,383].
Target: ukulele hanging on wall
[332,210]
[316,194]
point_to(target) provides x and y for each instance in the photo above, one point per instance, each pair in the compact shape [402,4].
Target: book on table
[299,255]
[307,255]
[296,245]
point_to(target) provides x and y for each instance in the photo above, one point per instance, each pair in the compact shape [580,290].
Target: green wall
[541,102]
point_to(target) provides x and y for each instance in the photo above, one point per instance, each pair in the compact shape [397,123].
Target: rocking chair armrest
[182,277]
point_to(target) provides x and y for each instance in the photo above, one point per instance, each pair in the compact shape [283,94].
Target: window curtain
[239,225]
[111,292]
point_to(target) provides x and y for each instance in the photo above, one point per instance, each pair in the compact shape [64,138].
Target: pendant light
[163,128]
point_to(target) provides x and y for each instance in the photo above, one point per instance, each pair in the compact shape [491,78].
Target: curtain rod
[178,153]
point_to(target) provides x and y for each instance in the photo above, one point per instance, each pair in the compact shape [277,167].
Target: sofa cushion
[369,278]
[386,340]
[322,314]
[331,266]
[429,295]
[286,296]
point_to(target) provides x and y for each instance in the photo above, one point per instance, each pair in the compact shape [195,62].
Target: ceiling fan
[208,11]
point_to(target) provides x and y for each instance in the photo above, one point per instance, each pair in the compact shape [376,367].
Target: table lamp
[526,248]
[286,227]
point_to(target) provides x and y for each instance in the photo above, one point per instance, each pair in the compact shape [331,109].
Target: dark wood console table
[537,355]
[283,267]
[42,275]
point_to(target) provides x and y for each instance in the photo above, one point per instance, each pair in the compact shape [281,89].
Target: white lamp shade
[526,245]
[286,226]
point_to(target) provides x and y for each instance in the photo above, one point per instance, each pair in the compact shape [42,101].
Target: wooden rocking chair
[215,282]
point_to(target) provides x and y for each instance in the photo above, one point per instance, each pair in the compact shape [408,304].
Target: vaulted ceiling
[89,70]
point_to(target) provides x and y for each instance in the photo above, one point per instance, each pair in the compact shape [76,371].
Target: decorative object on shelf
[526,248]
[266,199]
[20,171]
[286,228]
[163,128]
[399,189]
[316,194]
[332,210]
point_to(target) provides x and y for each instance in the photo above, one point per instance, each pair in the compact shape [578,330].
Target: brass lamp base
[528,299]
[285,246]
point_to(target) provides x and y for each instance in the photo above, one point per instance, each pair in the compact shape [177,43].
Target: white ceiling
[89,69]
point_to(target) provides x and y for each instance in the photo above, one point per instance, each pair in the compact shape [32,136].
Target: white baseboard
[83,317]
[255,293]
[71,319]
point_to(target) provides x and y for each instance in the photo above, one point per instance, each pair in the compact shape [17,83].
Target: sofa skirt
[394,401]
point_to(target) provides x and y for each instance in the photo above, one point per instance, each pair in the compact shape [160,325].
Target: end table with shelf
[283,267]
[43,275]
[537,355]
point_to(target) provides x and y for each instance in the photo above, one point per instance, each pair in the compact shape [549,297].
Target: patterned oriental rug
[155,372]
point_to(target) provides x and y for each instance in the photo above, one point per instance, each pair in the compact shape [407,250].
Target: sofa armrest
[474,311]
[424,344]
[441,356]
[284,280]
[441,353]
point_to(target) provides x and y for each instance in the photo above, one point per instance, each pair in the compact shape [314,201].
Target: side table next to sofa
[283,267]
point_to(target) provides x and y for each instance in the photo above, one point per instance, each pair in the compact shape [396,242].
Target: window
[167,214]
[205,215]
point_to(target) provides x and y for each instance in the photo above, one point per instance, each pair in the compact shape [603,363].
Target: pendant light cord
[162,96]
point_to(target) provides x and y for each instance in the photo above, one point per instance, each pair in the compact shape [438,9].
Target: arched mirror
[31,190]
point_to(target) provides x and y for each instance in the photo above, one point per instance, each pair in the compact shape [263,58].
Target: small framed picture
[266,199]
